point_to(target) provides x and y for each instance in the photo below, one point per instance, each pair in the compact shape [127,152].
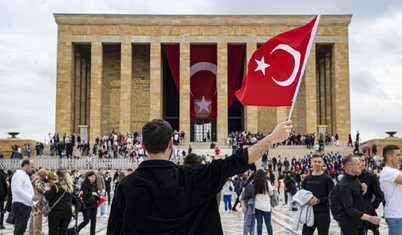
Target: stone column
[125,87]
[222,92]
[250,112]
[156,82]
[328,94]
[64,111]
[282,113]
[184,113]
[311,98]
[96,91]
[341,104]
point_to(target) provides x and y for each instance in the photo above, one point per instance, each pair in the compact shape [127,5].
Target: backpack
[275,198]
[334,201]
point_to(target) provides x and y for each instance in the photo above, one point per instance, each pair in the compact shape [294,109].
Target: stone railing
[79,164]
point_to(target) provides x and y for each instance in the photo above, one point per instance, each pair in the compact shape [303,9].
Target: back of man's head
[389,150]
[348,160]
[25,163]
[156,135]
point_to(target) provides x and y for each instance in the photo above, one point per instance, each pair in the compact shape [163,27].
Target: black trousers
[21,214]
[353,231]
[236,202]
[108,196]
[58,221]
[321,222]
[89,214]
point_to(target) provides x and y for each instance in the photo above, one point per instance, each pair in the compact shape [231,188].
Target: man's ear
[143,147]
[170,146]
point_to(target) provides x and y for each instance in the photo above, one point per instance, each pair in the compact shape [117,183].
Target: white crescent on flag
[296,57]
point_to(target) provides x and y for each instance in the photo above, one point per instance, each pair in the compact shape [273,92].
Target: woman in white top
[227,191]
[263,191]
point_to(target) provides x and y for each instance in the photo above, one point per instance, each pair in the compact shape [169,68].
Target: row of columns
[65,89]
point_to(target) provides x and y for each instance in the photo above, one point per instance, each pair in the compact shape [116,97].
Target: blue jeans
[394,226]
[249,224]
[102,208]
[227,199]
[267,218]
[290,199]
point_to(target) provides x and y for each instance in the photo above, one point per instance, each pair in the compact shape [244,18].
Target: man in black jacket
[351,211]
[161,197]
[320,185]
[373,196]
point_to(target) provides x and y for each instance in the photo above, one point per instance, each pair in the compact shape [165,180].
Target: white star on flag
[203,105]
[261,65]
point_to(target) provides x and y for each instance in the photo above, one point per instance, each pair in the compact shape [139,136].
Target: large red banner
[203,81]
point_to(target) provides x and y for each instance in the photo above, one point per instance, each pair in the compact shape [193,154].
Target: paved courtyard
[232,223]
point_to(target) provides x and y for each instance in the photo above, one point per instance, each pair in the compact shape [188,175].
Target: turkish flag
[203,78]
[275,69]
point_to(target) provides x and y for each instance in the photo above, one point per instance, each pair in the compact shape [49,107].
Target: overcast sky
[28,40]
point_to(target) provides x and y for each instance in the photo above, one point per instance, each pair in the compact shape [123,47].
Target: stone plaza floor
[232,223]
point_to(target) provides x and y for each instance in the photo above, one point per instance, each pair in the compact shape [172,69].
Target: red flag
[101,200]
[203,86]
[276,68]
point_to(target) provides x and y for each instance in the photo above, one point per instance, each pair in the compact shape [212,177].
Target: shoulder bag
[47,209]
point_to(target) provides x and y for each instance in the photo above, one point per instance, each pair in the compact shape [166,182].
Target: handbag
[47,209]
[10,218]
[275,198]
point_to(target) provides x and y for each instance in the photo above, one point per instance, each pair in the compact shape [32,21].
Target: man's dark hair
[347,160]
[389,149]
[193,159]
[100,168]
[25,162]
[156,135]
[129,169]
[316,156]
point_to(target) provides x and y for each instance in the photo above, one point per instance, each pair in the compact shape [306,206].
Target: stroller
[73,225]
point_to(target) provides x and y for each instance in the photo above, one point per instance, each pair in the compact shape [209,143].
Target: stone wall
[140,87]
[110,117]
[155,30]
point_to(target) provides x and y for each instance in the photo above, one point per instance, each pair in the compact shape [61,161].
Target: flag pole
[310,43]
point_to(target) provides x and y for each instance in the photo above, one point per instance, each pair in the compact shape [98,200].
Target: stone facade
[125,75]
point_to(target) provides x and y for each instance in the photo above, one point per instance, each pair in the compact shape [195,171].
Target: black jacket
[55,192]
[351,196]
[374,195]
[3,185]
[163,198]
[89,199]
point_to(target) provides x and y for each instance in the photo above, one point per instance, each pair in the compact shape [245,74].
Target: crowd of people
[237,139]
[350,187]
[30,194]
[111,145]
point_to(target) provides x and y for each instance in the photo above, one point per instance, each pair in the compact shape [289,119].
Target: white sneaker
[104,216]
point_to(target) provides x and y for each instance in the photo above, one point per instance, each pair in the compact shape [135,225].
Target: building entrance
[203,129]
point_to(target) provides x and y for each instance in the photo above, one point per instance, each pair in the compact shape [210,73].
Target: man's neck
[350,173]
[159,156]
[316,173]
[391,165]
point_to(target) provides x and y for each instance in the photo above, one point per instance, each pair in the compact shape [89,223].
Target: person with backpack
[238,188]
[290,188]
[227,191]
[349,202]
[320,185]
[263,194]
